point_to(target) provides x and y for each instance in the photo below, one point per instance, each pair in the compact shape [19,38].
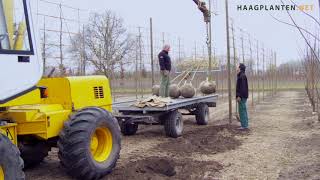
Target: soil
[283,143]
[164,168]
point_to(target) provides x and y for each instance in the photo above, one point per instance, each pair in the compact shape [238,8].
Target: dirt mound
[166,168]
[209,140]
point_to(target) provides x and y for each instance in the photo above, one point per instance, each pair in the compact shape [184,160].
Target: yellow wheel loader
[36,114]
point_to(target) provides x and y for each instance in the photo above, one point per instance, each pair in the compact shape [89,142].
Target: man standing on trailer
[165,68]
[242,96]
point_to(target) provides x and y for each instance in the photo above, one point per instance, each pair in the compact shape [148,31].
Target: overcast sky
[181,18]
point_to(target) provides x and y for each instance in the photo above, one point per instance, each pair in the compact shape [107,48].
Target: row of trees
[310,58]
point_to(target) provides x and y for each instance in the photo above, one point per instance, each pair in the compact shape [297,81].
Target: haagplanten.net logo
[275,7]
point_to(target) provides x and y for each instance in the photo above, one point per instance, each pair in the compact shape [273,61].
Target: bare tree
[108,42]
[79,52]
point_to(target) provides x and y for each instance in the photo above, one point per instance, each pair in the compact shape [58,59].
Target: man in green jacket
[165,68]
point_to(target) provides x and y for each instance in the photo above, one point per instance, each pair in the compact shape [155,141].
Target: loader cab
[20,62]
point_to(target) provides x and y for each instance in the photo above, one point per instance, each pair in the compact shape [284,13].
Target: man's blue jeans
[243,113]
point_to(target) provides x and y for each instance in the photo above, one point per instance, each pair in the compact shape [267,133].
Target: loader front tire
[11,164]
[90,143]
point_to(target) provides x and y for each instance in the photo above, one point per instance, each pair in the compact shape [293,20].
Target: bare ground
[284,143]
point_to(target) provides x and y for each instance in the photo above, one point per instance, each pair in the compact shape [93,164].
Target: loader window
[14,28]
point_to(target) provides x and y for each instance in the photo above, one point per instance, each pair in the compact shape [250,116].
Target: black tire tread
[170,124]
[200,114]
[129,129]
[34,154]
[73,141]
[10,156]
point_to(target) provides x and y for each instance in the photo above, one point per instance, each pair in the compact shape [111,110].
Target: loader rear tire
[90,143]
[173,124]
[202,114]
[11,164]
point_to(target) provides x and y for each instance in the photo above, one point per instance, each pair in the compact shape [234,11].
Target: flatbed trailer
[131,116]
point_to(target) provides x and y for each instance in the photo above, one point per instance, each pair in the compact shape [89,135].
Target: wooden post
[44,45]
[151,51]
[60,43]
[140,62]
[179,54]
[195,51]
[258,74]
[137,72]
[276,72]
[235,64]
[263,73]
[210,43]
[228,63]
[84,61]
[163,40]
[251,71]
[242,47]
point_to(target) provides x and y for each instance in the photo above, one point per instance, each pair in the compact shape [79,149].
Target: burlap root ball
[156,90]
[187,91]
[174,91]
[208,87]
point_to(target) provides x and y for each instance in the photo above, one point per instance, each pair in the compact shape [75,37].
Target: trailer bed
[180,103]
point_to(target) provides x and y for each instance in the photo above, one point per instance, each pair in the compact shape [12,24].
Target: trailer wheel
[173,125]
[89,145]
[11,164]
[202,114]
[128,129]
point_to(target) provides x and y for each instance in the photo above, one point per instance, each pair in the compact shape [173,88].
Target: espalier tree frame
[134,78]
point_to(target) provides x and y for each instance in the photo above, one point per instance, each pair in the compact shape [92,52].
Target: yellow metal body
[10,131]
[1,173]
[44,117]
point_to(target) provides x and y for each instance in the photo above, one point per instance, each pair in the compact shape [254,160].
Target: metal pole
[228,59]
[151,48]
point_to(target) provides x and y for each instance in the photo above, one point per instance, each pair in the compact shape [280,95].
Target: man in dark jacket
[165,68]
[242,96]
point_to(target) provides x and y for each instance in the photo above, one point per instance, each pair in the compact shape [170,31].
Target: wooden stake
[228,63]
